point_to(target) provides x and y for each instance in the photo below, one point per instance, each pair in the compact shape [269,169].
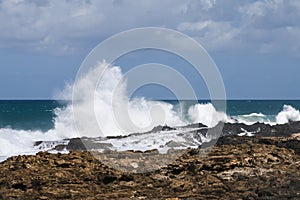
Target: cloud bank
[66,27]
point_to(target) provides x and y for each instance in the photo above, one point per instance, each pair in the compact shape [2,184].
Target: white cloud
[213,35]
[62,26]
[207,4]
[272,26]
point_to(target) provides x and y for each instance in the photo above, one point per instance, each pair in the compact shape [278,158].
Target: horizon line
[165,99]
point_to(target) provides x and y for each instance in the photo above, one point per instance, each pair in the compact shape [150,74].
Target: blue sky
[255,44]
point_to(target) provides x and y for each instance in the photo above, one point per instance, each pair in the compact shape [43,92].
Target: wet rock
[162,128]
[76,144]
[196,125]
[260,167]
[174,144]
[37,143]
[59,147]
[261,129]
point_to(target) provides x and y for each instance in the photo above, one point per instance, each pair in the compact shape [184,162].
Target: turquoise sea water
[23,122]
[40,115]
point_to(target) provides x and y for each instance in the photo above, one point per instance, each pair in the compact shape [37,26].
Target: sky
[255,44]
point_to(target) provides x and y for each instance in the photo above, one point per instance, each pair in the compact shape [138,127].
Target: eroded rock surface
[236,168]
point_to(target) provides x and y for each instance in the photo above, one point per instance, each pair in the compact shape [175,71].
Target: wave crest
[287,115]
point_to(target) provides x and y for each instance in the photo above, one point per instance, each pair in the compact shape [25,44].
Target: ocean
[24,122]
[40,115]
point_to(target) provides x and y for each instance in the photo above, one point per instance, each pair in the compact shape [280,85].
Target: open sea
[40,115]
[30,126]
[24,122]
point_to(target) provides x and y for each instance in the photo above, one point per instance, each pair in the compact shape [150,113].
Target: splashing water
[110,101]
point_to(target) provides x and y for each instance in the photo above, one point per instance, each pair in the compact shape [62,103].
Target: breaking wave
[144,114]
[288,114]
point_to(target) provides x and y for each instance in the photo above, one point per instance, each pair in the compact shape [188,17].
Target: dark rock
[224,129]
[59,147]
[196,125]
[106,179]
[126,178]
[162,128]
[173,144]
[76,144]
[82,144]
[20,186]
[37,143]
[237,167]
[117,137]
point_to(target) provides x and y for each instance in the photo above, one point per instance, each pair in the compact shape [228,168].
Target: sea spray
[141,111]
[288,114]
[206,114]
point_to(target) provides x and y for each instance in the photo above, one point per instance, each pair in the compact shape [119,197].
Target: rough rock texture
[190,135]
[236,168]
[257,128]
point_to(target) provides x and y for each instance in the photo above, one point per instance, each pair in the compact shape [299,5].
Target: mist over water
[288,114]
[115,112]
[119,114]
[110,103]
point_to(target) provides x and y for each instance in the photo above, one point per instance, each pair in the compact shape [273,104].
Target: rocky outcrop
[162,128]
[236,168]
[190,135]
[83,144]
[258,129]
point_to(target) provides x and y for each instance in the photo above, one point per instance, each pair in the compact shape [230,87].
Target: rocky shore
[164,138]
[237,167]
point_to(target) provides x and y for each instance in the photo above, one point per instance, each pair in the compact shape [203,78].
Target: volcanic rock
[235,168]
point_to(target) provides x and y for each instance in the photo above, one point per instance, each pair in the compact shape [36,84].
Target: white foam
[288,114]
[253,118]
[144,115]
[247,133]
[16,142]
[182,138]
[116,113]
[206,114]
[255,115]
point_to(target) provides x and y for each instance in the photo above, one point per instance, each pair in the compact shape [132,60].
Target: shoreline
[238,166]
